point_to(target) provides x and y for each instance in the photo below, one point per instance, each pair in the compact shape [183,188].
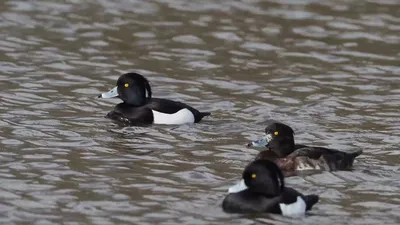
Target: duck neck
[138,102]
[283,147]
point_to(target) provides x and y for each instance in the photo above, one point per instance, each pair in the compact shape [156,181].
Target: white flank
[180,117]
[297,208]
[241,186]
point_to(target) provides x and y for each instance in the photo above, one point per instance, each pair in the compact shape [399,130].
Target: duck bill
[110,94]
[263,142]
[241,186]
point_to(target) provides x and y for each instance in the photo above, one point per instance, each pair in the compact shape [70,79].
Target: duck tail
[348,161]
[203,114]
[356,153]
[199,116]
[310,201]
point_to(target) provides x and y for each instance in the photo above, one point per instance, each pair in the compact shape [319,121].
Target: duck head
[278,138]
[262,177]
[132,88]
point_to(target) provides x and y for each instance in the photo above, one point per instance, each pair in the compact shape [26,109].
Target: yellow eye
[276,133]
[126,85]
[253,176]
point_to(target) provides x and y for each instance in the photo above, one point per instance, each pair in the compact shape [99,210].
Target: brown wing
[323,158]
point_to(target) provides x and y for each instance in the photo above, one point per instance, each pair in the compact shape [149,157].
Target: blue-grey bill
[241,186]
[110,94]
[261,142]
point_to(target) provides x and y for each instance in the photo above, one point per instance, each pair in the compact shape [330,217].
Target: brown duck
[291,157]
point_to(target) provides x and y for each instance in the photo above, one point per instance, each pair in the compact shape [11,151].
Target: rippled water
[328,68]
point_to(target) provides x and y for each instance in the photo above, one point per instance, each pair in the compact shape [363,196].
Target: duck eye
[276,133]
[126,85]
[253,176]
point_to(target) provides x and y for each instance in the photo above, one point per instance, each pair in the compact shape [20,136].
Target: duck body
[248,202]
[139,108]
[157,111]
[262,189]
[311,158]
[281,148]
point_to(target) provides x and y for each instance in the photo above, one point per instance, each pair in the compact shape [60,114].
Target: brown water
[329,68]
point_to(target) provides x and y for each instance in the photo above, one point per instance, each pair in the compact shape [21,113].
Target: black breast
[247,202]
[131,115]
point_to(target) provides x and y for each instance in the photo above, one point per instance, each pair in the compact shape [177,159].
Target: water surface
[327,68]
